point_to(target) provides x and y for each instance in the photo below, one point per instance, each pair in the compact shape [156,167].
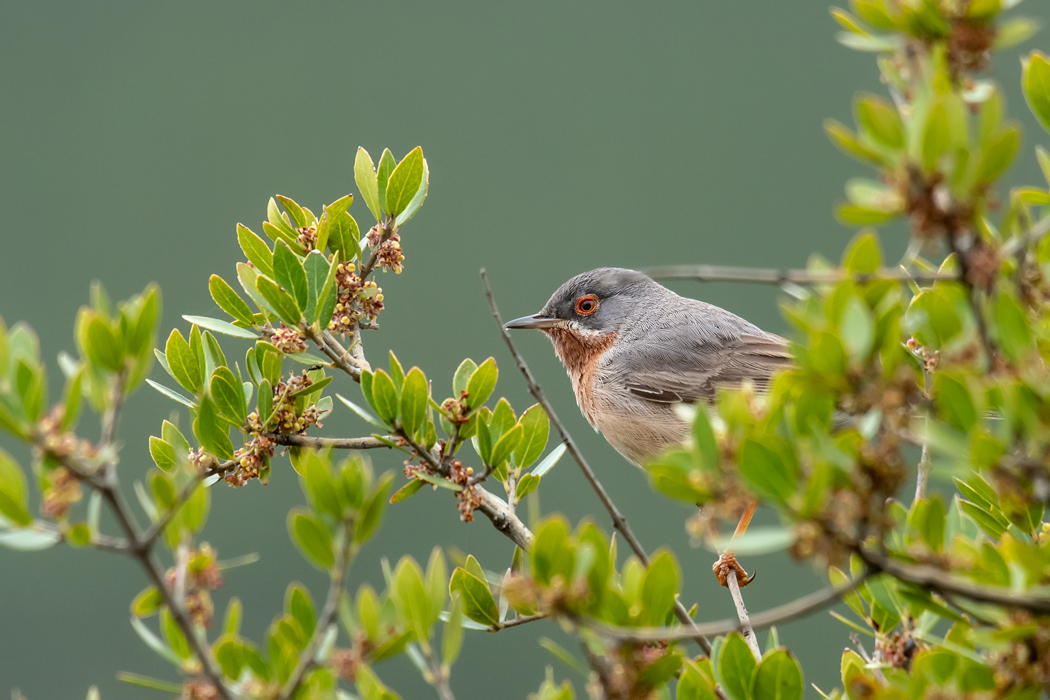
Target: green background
[560,137]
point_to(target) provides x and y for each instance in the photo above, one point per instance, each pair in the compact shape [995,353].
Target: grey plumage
[646,348]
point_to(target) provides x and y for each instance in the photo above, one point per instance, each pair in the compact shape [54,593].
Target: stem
[319,443]
[741,612]
[521,620]
[800,607]
[619,522]
[307,660]
[782,276]
[492,506]
[112,413]
[327,344]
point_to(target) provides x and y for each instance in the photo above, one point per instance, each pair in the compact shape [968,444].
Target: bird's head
[595,303]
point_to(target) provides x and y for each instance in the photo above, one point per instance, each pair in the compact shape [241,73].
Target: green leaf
[414,395]
[954,400]
[985,519]
[255,250]
[171,394]
[503,448]
[1035,80]
[289,273]
[183,363]
[1015,333]
[404,182]
[874,196]
[659,588]
[408,490]
[372,511]
[881,121]
[173,635]
[103,346]
[220,326]
[997,154]
[482,383]
[228,394]
[281,301]
[28,540]
[384,397]
[147,602]
[452,636]
[212,431]
[162,452]
[857,328]
[757,541]
[386,166]
[316,267]
[294,210]
[526,485]
[858,216]
[462,376]
[936,137]
[478,603]
[321,486]
[420,197]
[312,539]
[229,301]
[13,491]
[536,429]
[765,470]
[847,142]
[301,609]
[778,677]
[411,599]
[736,665]
[365,177]
[147,682]
[227,652]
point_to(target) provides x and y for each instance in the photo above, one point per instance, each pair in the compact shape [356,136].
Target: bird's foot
[727,562]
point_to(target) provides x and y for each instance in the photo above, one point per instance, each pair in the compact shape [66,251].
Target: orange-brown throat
[580,352]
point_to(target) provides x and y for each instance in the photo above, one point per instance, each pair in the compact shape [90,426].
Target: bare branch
[112,413]
[941,582]
[320,443]
[741,613]
[492,506]
[800,607]
[619,522]
[308,657]
[782,276]
[331,347]
[522,620]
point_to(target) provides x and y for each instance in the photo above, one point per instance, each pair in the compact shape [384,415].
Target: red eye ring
[586,305]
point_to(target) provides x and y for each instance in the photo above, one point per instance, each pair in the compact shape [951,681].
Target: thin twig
[983,334]
[141,553]
[782,276]
[741,613]
[619,522]
[939,581]
[923,472]
[521,620]
[800,607]
[112,412]
[492,506]
[320,443]
[168,515]
[335,352]
[307,659]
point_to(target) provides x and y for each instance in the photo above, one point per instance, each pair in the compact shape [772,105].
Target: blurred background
[560,137]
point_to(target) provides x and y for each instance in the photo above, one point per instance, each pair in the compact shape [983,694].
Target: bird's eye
[587,305]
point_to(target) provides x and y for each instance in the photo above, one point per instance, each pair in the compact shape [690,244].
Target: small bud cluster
[1026,660]
[202,576]
[203,461]
[287,418]
[307,237]
[62,491]
[390,255]
[897,650]
[198,690]
[288,340]
[60,443]
[468,499]
[357,300]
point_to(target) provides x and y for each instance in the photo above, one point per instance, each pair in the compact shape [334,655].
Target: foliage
[943,376]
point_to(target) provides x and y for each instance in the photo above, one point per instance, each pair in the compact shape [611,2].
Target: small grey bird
[634,348]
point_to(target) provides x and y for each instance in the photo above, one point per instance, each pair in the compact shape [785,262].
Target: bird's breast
[581,353]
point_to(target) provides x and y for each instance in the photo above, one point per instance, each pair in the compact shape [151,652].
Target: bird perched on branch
[633,349]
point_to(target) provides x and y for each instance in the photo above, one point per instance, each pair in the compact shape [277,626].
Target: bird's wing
[688,361]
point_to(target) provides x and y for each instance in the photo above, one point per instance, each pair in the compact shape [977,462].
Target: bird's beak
[538,321]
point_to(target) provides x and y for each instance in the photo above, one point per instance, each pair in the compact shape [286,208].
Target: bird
[633,349]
